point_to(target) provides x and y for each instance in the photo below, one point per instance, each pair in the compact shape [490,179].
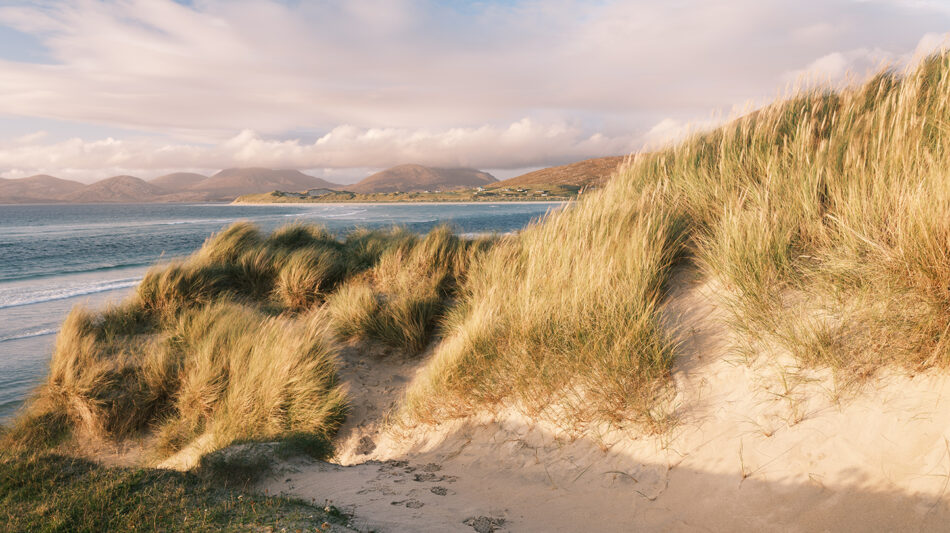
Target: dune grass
[563,318]
[410,285]
[238,342]
[826,217]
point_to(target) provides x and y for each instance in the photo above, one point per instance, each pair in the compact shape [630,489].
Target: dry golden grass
[236,343]
[563,318]
[244,375]
[826,216]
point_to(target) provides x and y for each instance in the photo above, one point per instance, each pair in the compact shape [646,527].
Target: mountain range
[233,182]
[178,187]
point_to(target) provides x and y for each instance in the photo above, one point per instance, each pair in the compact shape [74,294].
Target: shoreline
[518,202]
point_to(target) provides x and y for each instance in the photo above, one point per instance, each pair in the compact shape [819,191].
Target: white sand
[751,452]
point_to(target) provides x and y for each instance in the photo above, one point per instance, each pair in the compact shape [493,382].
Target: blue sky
[92,88]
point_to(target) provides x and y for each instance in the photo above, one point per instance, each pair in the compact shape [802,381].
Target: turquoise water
[53,257]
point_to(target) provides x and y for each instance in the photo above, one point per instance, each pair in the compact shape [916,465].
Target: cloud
[518,145]
[368,82]
[857,64]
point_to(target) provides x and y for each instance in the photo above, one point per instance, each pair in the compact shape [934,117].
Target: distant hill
[412,178]
[178,180]
[176,187]
[233,182]
[118,189]
[37,189]
[588,172]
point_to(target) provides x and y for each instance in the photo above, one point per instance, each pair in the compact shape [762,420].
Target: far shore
[501,202]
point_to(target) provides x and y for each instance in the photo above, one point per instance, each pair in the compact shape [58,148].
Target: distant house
[316,193]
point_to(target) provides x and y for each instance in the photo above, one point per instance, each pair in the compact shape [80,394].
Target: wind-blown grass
[247,376]
[400,301]
[236,343]
[563,318]
[826,217]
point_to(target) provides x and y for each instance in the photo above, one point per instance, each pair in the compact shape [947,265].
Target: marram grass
[825,216]
[239,341]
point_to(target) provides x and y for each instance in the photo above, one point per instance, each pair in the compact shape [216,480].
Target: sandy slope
[757,446]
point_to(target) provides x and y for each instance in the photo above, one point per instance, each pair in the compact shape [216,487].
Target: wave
[83,269]
[34,295]
[17,335]
[53,229]
[347,214]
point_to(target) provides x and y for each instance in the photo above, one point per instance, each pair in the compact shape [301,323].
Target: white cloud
[488,84]
[857,64]
[517,145]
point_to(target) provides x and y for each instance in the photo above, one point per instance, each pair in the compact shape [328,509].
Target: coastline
[467,202]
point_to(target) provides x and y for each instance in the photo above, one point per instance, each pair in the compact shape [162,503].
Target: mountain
[36,189]
[588,172]
[410,178]
[232,182]
[178,180]
[118,189]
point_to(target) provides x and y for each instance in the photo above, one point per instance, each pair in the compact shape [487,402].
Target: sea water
[54,257]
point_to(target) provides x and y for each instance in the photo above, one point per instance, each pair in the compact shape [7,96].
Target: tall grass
[402,298]
[826,216]
[246,376]
[563,318]
[237,342]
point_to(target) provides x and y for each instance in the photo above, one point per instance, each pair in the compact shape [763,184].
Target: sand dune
[756,445]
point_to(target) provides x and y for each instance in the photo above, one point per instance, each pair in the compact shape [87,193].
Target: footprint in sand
[412,504]
[484,524]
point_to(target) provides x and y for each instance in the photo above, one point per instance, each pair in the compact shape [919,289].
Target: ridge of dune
[755,445]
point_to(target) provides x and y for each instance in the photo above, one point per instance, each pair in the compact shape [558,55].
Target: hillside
[415,178]
[583,173]
[178,181]
[232,182]
[37,189]
[176,187]
[117,189]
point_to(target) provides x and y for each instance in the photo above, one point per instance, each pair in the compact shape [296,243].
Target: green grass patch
[57,493]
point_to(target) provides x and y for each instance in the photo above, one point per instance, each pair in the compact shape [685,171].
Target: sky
[95,88]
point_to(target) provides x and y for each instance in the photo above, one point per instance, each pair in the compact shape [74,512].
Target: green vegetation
[526,193]
[49,492]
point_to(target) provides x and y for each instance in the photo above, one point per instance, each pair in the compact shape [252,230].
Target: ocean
[54,257]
